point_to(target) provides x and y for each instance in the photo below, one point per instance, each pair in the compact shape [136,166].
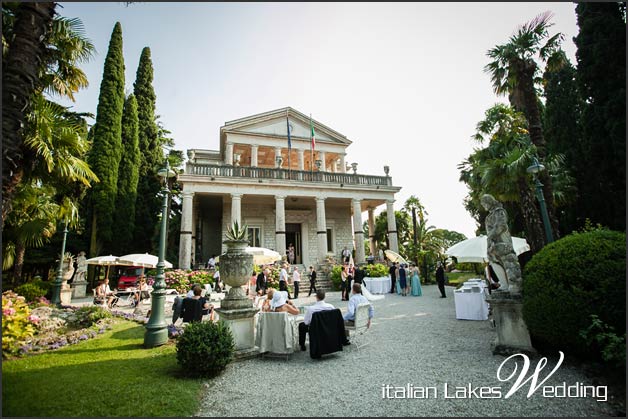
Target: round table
[379,285]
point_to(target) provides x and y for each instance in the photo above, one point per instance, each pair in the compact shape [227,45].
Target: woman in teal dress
[416,282]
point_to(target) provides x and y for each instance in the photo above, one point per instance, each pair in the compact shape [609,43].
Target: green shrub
[603,339]
[335,277]
[377,270]
[88,315]
[31,291]
[205,348]
[17,322]
[580,275]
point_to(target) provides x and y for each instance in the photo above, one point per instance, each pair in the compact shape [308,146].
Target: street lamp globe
[535,167]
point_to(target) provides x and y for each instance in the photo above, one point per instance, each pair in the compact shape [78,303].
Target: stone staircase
[322,280]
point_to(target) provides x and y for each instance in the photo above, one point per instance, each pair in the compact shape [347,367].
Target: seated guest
[190,293]
[104,292]
[206,308]
[356,299]
[141,293]
[277,301]
[320,305]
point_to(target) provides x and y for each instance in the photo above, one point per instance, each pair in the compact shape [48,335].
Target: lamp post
[535,168]
[56,286]
[156,328]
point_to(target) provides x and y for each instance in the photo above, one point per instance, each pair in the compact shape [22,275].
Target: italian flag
[313,135]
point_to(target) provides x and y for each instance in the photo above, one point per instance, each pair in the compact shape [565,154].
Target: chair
[360,326]
[276,334]
[327,333]
[98,301]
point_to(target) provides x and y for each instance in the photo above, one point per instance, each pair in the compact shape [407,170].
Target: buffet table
[470,301]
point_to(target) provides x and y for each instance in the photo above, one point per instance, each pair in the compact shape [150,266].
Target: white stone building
[311,198]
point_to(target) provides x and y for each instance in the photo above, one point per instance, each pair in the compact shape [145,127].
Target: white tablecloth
[378,285]
[471,305]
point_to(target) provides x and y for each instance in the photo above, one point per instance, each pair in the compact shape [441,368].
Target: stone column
[254,148]
[229,154]
[342,163]
[371,222]
[392,226]
[196,258]
[321,229]
[236,201]
[185,243]
[321,155]
[300,157]
[358,232]
[280,225]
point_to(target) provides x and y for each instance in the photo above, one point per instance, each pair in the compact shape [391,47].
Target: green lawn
[111,375]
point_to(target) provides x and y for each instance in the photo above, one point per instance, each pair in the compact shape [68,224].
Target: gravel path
[415,340]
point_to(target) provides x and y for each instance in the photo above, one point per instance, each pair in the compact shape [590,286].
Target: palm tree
[514,72]
[21,63]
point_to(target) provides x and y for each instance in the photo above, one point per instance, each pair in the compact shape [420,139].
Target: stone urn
[67,272]
[236,266]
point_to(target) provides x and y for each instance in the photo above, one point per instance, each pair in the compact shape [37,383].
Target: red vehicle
[129,277]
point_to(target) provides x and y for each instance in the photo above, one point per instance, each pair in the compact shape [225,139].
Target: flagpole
[311,151]
[289,146]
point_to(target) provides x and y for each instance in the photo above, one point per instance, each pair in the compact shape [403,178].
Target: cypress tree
[128,176]
[601,76]
[151,156]
[106,151]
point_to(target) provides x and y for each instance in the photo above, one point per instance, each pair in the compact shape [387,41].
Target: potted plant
[236,266]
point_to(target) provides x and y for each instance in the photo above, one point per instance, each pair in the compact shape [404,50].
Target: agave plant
[237,232]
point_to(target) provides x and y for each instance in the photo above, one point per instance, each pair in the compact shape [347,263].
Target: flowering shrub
[88,315]
[33,291]
[182,280]
[17,322]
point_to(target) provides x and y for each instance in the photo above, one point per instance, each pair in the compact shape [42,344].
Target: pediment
[274,124]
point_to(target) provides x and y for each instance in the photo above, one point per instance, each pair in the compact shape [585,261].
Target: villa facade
[309,197]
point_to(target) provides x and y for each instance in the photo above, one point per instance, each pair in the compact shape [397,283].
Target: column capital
[280,197]
[356,201]
[254,145]
[187,194]
[319,199]
[236,195]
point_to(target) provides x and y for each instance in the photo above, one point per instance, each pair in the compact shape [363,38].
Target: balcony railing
[285,174]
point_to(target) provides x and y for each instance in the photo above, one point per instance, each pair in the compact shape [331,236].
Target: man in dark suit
[261,283]
[440,280]
[393,277]
[312,280]
[359,275]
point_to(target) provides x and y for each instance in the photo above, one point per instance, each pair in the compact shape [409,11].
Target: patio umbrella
[103,261]
[141,259]
[394,256]
[474,249]
[261,255]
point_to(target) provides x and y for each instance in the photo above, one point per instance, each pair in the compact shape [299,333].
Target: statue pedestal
[79,289]
[66,296]
[242,324]
[512,333]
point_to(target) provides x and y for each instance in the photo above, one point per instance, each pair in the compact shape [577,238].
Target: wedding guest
[343,284]
[401,274]
[440,280]
[356,299]
[393,276]
[291,254]
[278,302]
[312,280]
[320,305]
[261,283]
[283,279]
[296,280]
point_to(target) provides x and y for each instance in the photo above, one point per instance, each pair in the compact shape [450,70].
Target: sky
[403,81]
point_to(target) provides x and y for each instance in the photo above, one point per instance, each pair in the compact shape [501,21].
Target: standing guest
[416,281]
[343,284]
[283,279]
[211,263]
[350,273]
[262,282]
[359,275]
[356,299]
[296,279]
[252,280]
[217,282]
[403,284]
[346,254]
[393,276]
[312,280]
[320,305]
[440,279]
[291,254]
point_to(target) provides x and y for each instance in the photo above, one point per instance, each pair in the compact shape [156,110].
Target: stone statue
[501,254]
[81,267]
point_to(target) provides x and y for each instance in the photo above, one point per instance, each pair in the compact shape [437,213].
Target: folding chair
[360,326]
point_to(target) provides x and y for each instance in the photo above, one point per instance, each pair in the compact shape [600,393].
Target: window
[255,234]
[330,242]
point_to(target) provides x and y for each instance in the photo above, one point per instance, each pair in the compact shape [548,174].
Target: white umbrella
[474,249]
[141,259]
[394,256]
[261,255]
[104,261]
